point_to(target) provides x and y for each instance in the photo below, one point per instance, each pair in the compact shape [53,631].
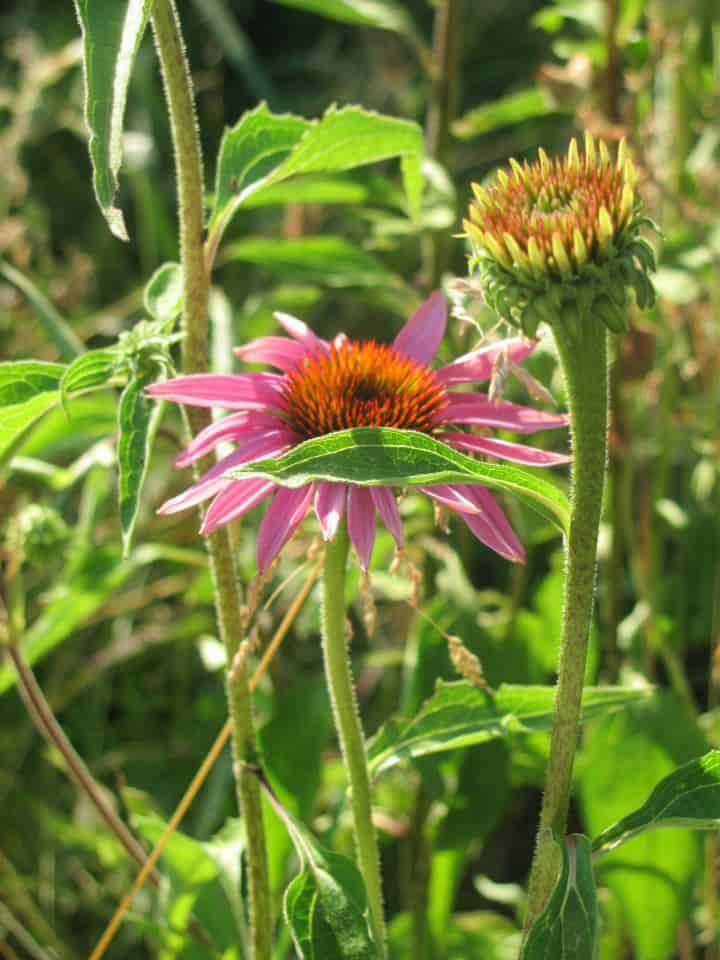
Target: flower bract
[323,387]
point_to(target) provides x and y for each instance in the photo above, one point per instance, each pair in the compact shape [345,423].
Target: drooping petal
[492,527]
[246,391]
[233,427]
[329,507]
[361,523]
[281,520]
[420,338]
[478,365]
[280,352]
[477,408]
[454,497]
[386,506]
[505,449]
[213,481]
[236,499]
[301,332]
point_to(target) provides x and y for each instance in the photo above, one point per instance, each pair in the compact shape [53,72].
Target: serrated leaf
[264,149]
[329,261]
[163,297]
[111,35]
[688,797]
[567,930]
[372,456]
[383,14]
[513,108]
[138,419]
[461,715]
[91,370]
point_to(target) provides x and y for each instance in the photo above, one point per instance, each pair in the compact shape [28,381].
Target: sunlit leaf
[371,456]
[567,930]
[111,38]
[28,390]
[513,108]
[461,715]
[384,14]
[163,295]
[91,370]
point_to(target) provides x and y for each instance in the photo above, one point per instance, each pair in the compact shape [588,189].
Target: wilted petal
[329,507]
[234,427]
[386,505]
[477,408]
[301,332]
[492,527]
[420,338]
[283,517]
[248,391]
[279,351]
[236,499]
[361,523]
[515,452]
[213,481]
[478,365]
[454,497]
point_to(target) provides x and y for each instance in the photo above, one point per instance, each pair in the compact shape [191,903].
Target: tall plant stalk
[349,728]
[583,356]
[196,285]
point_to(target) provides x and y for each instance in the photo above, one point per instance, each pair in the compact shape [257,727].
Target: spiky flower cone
[561,238]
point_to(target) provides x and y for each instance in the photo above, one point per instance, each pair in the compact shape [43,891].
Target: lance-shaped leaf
[111,37]
[373,456]
[567,930]
[90,371]
[138,420]
[461,715]
[263,149]
[163,297]
[688,797]
[325,904]
[383,14]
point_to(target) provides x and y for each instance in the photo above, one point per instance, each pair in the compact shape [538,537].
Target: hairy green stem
[196,286]
[349,729]
[583,355]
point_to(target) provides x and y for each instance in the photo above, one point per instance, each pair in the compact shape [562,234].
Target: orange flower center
[362,384]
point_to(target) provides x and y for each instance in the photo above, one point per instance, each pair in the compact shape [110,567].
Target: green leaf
[163,297]
[329,261]
[264,149]
[688,797]
[111,38]
[91,370]
[314,188]
[55,326]
[373,456]
[28,390]
[383,14]
[460,715]
[138,420]
[567,930]
[514,108]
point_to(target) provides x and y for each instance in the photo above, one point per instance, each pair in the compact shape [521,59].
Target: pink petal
[454,497]
[420,338]
[515,452]
[234,427]
[213,481]
[246,391]
[478,365]
[278,351]
[236,499]
[329,507]
[283,517]
[477,408]
[492,527]
[361,523]
[386,505]
[301,332]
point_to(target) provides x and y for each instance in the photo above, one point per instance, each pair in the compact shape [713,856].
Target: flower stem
[349,729]
[583,355]
[196,285]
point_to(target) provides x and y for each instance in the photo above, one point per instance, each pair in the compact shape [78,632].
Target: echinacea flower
[562,236]
[324,387]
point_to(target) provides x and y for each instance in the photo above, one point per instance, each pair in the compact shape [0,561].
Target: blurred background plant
[125,647]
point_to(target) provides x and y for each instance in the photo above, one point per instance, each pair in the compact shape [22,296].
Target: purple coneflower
[325,387]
